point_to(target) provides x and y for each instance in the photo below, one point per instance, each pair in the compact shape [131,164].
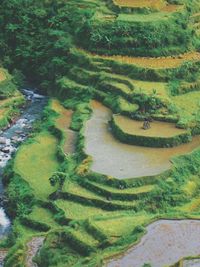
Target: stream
[11,138]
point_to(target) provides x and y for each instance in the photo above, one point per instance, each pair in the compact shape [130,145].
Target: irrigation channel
[10,140]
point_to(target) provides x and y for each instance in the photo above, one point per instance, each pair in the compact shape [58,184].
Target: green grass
[120,87]
[191,186]
[192,206]
[43,215]
[134,190]
[24,231]
[127,106]
[78,211]
[76,189]
[36,162]
[148,87]
[82,235]
[187,104]
[121,225]
[152,17]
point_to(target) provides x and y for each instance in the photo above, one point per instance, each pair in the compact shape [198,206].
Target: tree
[58,179]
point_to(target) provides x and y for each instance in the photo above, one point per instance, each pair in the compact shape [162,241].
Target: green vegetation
[141,63]
[38,160]
[159,135]
[10,98]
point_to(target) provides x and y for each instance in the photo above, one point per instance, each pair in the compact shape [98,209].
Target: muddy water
[165,243]
[191,263]
[120,160]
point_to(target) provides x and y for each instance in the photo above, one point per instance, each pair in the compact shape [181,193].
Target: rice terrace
[100,133]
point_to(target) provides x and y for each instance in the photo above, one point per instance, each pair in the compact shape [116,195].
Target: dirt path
[32,248]
[152,62]
[159,62]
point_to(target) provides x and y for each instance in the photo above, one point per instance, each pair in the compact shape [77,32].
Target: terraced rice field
[125,161]
[157,63]
[146,18]
[149,87]
[172,8]
[152,4]
[108,197]
[37,162]
[75,210]
[157,4]
[45,216]
[158,129]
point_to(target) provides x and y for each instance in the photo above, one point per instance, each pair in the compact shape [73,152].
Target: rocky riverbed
[10,139]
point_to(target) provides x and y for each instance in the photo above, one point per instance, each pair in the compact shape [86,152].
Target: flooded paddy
[119,160]
[10,139]
[158,128]
[165,243]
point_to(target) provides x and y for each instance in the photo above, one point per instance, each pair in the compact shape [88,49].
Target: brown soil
[140,3]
